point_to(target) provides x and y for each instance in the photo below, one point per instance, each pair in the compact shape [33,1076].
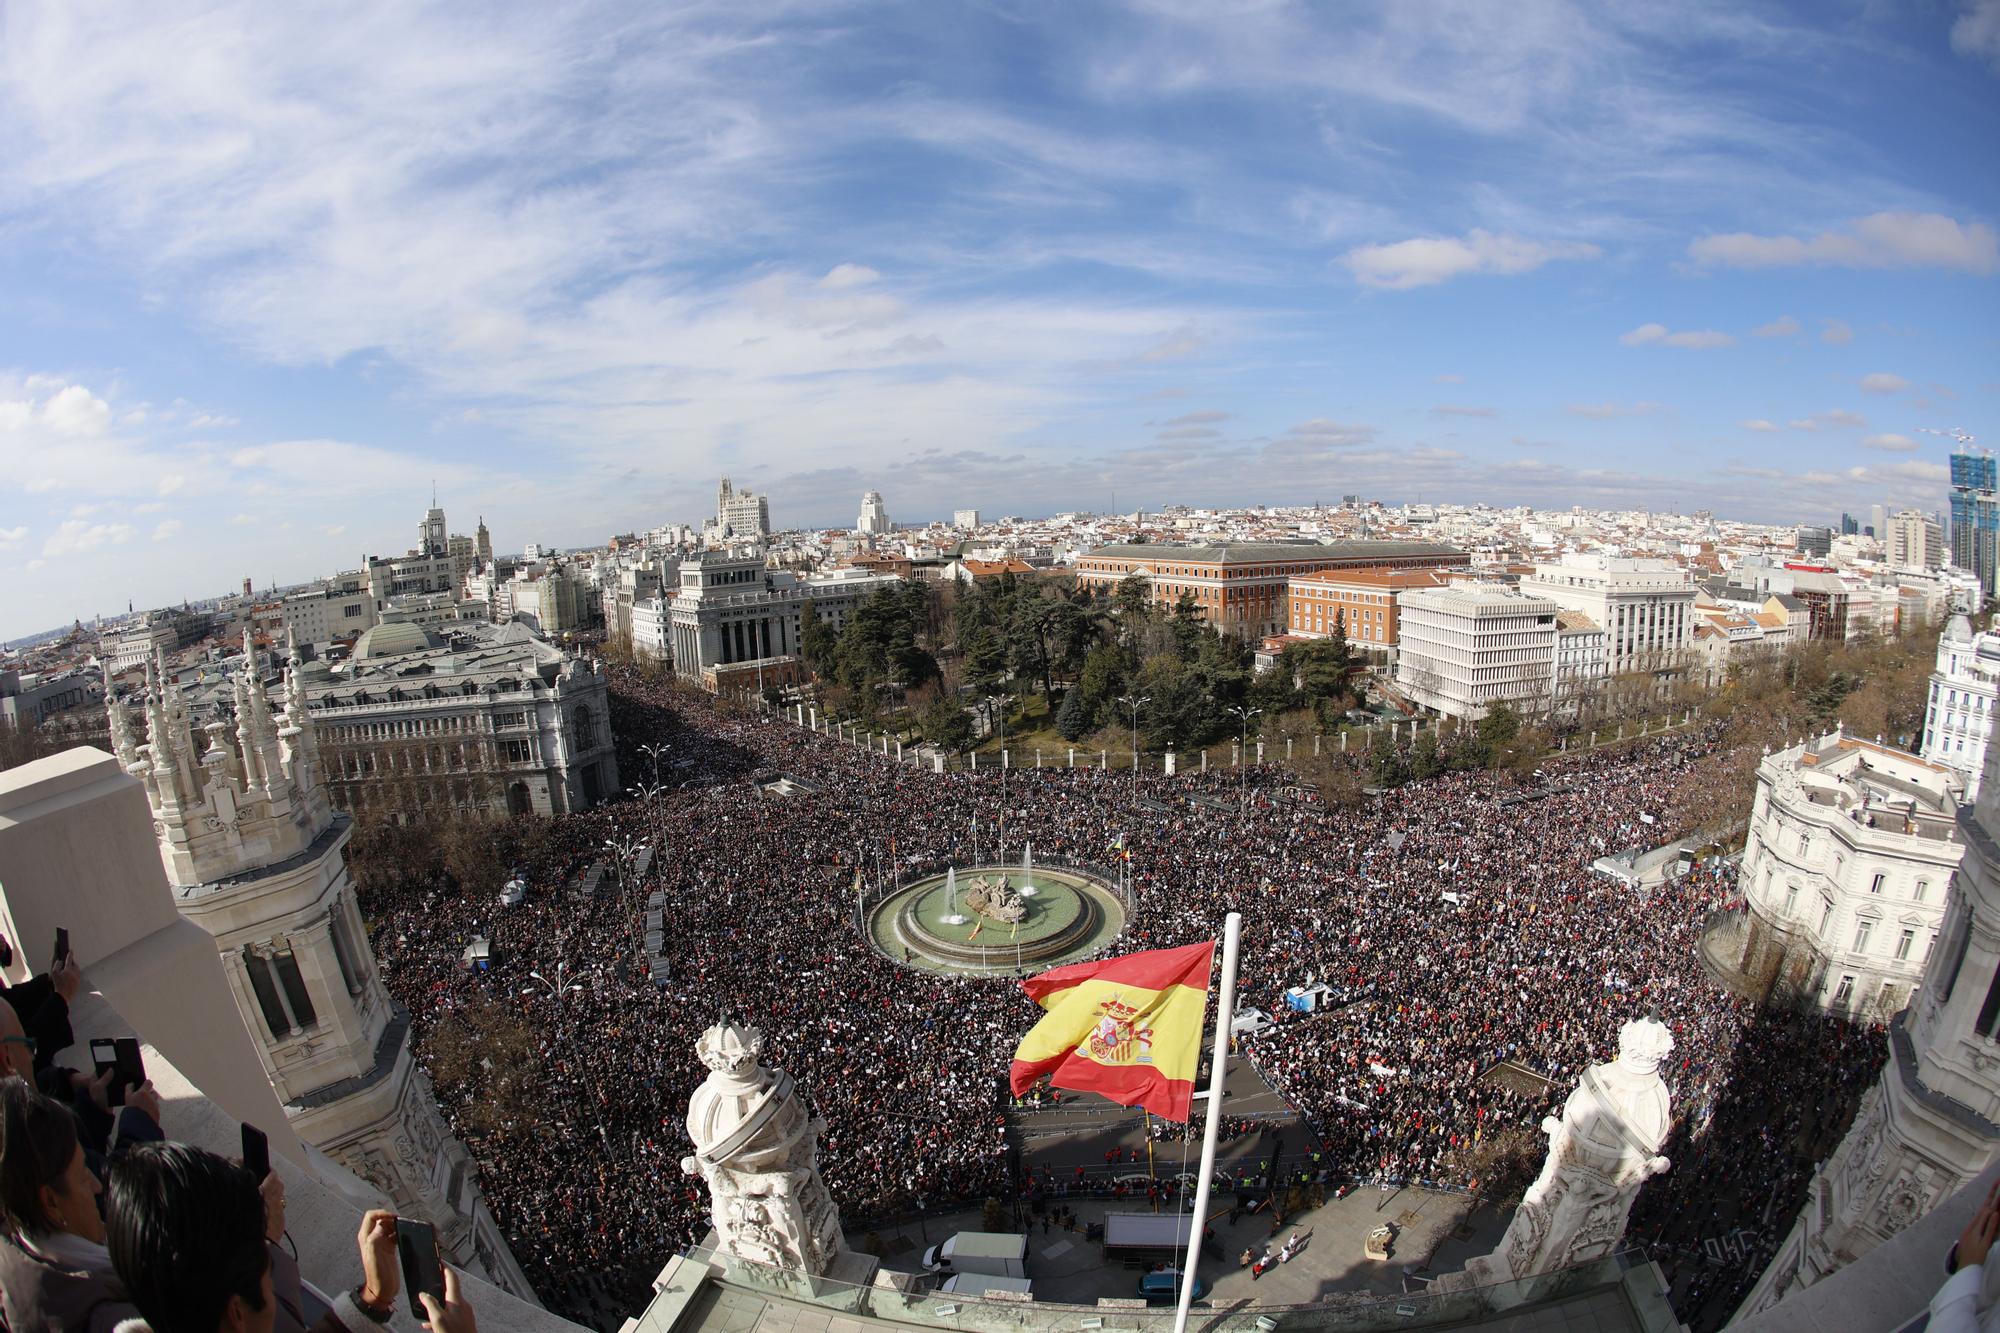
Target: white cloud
[337,530]
[1452,410]
[166,529]
[1784,326]
[1894,444]
[1976,32]
[75,410]
[171,483]
[12,537]
[1880,240]
[76,536]
[1882,382]
[1608,411]
[211,421]
[243,520]
[1836,331]
[1431,259]
[1693,339]
[42,485]
[1836,418]
[1763,427]
[1447,379]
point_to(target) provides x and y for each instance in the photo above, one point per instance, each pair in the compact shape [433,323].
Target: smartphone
[416,1245]
[62,947]
[256,1151]
[131,1064]
[104,1055]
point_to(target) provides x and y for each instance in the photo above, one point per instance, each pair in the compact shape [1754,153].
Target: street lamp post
[622,851]
[1133,701]
[653,752]
[1243,756]
[558,989]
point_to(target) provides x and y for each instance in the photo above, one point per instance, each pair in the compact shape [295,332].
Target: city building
[1850,526]
[1645,607]
[1813,541]
[256,855]
[480,721]
[1931,1123]
[732,611]
[1827,600]
[1914,540]
[874,520]
[1958,717]
[1582,654]
[965,520]
[166,630]
[1361,600]
[1975,516]
[741,515]
[1849,857]
[335,611]
[1242,588]
[28,700]
[1471,645]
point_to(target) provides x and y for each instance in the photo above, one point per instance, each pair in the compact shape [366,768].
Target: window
[343,949]
[1825,912]
[280,990]
[1904,943]
[1990,1009]
[1875,886]
[1791,899]
[1805,843]
[1843,993]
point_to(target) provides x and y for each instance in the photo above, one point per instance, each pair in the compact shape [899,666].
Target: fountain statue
[993,898]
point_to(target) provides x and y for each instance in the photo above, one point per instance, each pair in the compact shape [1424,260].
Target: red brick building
[1242,588]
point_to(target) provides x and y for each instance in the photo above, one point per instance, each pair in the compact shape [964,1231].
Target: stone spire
[263,732]
[119,713]
[298,734]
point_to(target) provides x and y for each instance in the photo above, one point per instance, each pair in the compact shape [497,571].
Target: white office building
[1645,606]
[965,520]
[1914,541]
[1959,717]
[874,520]
[1850,856]
[742,515]
[1471,645]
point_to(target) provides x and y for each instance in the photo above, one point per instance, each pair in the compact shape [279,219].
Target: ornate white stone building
[1846,871]
[1932,1123]
[1965,688]
[483,721]
[1645,606]
[256,856]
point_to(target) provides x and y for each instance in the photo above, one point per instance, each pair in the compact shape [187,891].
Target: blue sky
[268,270]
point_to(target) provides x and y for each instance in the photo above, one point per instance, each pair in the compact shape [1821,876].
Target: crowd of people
[1467,903]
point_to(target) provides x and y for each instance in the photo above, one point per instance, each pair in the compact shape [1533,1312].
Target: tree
[943,722]
[1133,600]
[1073,719]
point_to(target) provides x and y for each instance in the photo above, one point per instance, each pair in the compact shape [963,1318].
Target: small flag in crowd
[1128,1028]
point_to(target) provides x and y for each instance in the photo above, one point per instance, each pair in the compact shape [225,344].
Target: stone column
[1169,767]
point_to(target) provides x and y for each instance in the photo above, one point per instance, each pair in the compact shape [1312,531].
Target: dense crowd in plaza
[1537,962]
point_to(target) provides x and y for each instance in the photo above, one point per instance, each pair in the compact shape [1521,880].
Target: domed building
[394,639]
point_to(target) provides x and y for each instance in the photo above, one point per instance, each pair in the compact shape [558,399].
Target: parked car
[1164,1287]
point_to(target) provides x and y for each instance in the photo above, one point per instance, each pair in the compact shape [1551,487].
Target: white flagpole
[1225,1010]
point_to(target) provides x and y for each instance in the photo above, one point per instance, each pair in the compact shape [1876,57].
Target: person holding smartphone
[188,1233]
[42,1004]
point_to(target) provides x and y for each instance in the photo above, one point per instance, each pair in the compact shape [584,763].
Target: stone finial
[1643,1044]
[730,1048]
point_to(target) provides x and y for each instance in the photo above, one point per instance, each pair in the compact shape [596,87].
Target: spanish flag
[1128,1028]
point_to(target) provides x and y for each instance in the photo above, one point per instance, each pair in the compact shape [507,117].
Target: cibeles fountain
[1605,1146]
[759,1154]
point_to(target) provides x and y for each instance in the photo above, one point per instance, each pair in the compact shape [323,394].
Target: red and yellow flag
[1127,1028]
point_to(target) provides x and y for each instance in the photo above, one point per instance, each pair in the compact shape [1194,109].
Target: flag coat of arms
[1126,1028]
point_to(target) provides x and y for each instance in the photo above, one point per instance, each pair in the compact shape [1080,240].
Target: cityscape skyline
[573,267]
